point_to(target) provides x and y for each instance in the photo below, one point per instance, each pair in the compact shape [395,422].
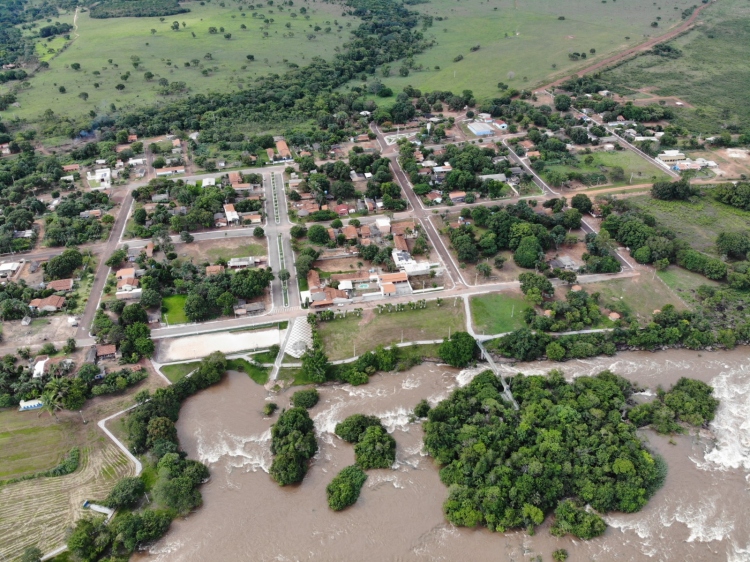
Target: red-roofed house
[52,303]
[60,285]
[283,150]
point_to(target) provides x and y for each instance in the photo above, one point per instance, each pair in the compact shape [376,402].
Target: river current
[701,513]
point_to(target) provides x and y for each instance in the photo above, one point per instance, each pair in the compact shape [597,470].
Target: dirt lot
[50,329]
[211,250]
[193,347]
[341,264]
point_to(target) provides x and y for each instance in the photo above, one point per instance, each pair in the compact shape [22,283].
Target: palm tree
[51,403]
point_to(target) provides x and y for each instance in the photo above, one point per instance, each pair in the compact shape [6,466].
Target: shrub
[344,489]
[352,428]
[305,398]
[422,409]
[375,449]
[269,409]
[126,493]
[574,520]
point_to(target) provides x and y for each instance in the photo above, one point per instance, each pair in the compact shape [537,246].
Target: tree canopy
[508,468]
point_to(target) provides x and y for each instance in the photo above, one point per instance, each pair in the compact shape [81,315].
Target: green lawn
[245,250]
[342,335]
[526,39]
[697,223]
[637,170]
[165,52]
[712,75]
[497,313]
[176,371]
[175,313]
[258,374]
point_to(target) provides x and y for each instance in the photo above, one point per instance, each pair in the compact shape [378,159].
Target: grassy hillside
[713,73]
[164,52]
[526,38]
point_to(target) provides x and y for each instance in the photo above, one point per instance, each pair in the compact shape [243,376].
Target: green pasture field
[642,170]
[698,223]
[497,313]
[526,38]
[712,75]
[386,328]
[165,53]
[175,313]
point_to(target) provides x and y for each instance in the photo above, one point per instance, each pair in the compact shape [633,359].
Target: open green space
[31,444]
[221,63]
[636,169]
[639,296]
[712,75]
[698,223]
[685,283]
[215,254]
[520,41]
[175,306]
[341,336]
[497,313]
[258,374]
[293,375]
[176,371]
[264,357]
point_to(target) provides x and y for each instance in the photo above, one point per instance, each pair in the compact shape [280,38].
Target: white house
[103,176]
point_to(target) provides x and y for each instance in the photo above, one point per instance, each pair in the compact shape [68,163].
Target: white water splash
[251,452]
[732,423]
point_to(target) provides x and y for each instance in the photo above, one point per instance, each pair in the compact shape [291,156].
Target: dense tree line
[689,401]
[508,468]
[151,432]
[136,8]
[387,32]
[668,328]
[734,195]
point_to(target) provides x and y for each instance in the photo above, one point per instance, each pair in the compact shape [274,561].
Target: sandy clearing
[194,347]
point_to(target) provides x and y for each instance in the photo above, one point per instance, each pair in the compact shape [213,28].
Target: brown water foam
[700,514]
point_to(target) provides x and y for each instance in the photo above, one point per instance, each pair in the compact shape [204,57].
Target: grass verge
[176,371]
[258,374]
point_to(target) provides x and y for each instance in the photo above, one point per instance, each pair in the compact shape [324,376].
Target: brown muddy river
[701,514]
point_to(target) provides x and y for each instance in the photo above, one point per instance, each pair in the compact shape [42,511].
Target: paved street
[277,231]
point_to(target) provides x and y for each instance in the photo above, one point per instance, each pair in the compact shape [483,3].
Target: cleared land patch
[698,223]
[175,306]
[639,296]
[713,73]
[386,328]
[636,169]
